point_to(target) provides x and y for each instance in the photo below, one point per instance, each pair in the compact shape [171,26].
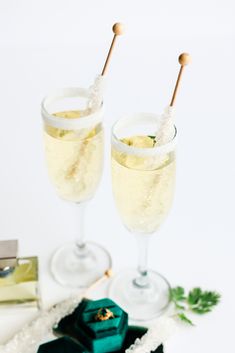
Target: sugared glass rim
[69,124]
[142,152]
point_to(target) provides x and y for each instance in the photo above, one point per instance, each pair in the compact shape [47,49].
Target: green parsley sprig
[196,301]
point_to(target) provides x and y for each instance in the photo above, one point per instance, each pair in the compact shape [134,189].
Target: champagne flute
[143,178]
[73,139]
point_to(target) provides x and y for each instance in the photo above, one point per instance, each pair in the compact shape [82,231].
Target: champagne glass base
[141,303]
[79,266]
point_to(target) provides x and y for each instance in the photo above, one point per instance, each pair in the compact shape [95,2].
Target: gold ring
[104,314]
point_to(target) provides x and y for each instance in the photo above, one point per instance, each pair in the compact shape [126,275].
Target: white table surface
[49,44]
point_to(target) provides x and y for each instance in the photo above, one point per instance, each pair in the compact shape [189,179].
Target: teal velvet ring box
[101,336]
[99,326]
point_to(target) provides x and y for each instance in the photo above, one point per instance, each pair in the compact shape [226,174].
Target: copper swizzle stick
[100,280]
[118,29]
[184,59]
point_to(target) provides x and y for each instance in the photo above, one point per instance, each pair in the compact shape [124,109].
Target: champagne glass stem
[142,281]
[81,234]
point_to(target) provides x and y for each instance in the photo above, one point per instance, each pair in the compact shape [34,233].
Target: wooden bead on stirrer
[118,29]
[184,59]
[107,274]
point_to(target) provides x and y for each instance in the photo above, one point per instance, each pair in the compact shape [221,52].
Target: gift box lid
[61,345]
[68,345]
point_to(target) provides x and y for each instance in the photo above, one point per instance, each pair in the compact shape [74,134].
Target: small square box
[18,277]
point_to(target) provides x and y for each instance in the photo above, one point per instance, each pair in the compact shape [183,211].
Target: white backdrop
[55,43]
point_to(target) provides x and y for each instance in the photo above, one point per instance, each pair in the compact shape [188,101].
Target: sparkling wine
[74,158]
[143,186]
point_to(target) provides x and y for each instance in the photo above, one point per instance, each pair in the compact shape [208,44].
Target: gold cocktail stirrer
[184,59]
[118,29]
[100,280]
